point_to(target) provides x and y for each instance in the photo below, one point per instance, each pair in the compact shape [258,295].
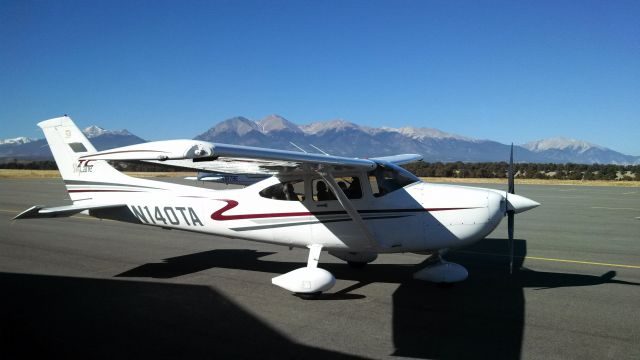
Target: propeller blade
[510,213]
[510,225]
[510,173]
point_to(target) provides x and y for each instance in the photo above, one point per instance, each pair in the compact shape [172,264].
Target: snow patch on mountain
[277,123]
[423,133]
[333,125]
[561,143]
[17,141]
[95,131]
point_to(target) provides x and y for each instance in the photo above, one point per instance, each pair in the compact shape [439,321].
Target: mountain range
[339,137]
[23,148]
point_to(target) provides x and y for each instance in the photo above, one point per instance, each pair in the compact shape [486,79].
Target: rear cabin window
[288,191]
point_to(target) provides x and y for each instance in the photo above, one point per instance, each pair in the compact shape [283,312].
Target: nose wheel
[441,272]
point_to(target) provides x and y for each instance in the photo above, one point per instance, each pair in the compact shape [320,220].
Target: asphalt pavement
[80,286]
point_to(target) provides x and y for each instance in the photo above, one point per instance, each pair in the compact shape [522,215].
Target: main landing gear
[309,281]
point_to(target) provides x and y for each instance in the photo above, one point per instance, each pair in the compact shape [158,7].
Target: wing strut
[350,209]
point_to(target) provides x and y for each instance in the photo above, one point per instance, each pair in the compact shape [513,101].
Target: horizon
[500,71]
[85,127]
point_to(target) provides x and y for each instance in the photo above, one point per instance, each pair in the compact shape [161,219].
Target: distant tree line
[423,169]
[29,165]
[526,170]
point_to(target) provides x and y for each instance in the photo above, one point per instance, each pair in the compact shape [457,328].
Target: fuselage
[416,217]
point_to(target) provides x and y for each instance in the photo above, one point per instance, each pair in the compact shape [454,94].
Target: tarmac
[82,287]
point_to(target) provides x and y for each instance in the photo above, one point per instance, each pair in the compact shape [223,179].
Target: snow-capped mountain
[38,149]
[18,140]
[423,133]
[341,137]
[560,143]
[331,125]
[277,123]
[95,131]
[562,150]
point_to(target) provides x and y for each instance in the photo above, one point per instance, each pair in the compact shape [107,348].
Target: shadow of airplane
[482,316]
[69,317]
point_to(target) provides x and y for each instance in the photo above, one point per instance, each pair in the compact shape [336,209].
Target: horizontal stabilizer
[40,211]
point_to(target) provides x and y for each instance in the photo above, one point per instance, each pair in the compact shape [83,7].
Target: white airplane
[354,208]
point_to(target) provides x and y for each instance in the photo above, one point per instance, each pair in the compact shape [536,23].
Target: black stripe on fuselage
[273,226]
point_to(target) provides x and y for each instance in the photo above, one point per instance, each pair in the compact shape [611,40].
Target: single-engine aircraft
[354,208]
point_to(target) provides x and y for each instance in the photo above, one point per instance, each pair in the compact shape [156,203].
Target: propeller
[510,213]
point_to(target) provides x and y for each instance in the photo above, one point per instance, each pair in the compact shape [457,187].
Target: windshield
[388,177]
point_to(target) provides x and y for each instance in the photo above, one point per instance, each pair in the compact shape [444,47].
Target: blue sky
[501,70]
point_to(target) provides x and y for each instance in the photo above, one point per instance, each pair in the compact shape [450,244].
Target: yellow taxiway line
[583,262]
[557,260]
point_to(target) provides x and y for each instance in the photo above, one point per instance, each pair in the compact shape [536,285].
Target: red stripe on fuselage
[219,214]
[74,191]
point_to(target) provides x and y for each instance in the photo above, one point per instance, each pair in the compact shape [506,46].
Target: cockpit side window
[388,178]
[321,191]
[287,190]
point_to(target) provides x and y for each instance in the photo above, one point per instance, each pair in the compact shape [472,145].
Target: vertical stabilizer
[68,143]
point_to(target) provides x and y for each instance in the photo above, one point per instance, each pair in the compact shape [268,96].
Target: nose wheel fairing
[442,272]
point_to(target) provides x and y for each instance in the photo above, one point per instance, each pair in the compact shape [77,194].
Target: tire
[357,264]
[308,296]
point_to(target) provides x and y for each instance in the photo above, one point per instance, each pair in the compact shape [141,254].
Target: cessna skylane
[353,208]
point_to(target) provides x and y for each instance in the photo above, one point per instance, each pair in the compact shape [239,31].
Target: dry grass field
[35,174]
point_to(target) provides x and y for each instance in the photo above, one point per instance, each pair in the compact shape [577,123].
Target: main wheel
[308,296]
[357,264]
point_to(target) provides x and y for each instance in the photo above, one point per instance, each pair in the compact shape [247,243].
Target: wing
[226,158]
